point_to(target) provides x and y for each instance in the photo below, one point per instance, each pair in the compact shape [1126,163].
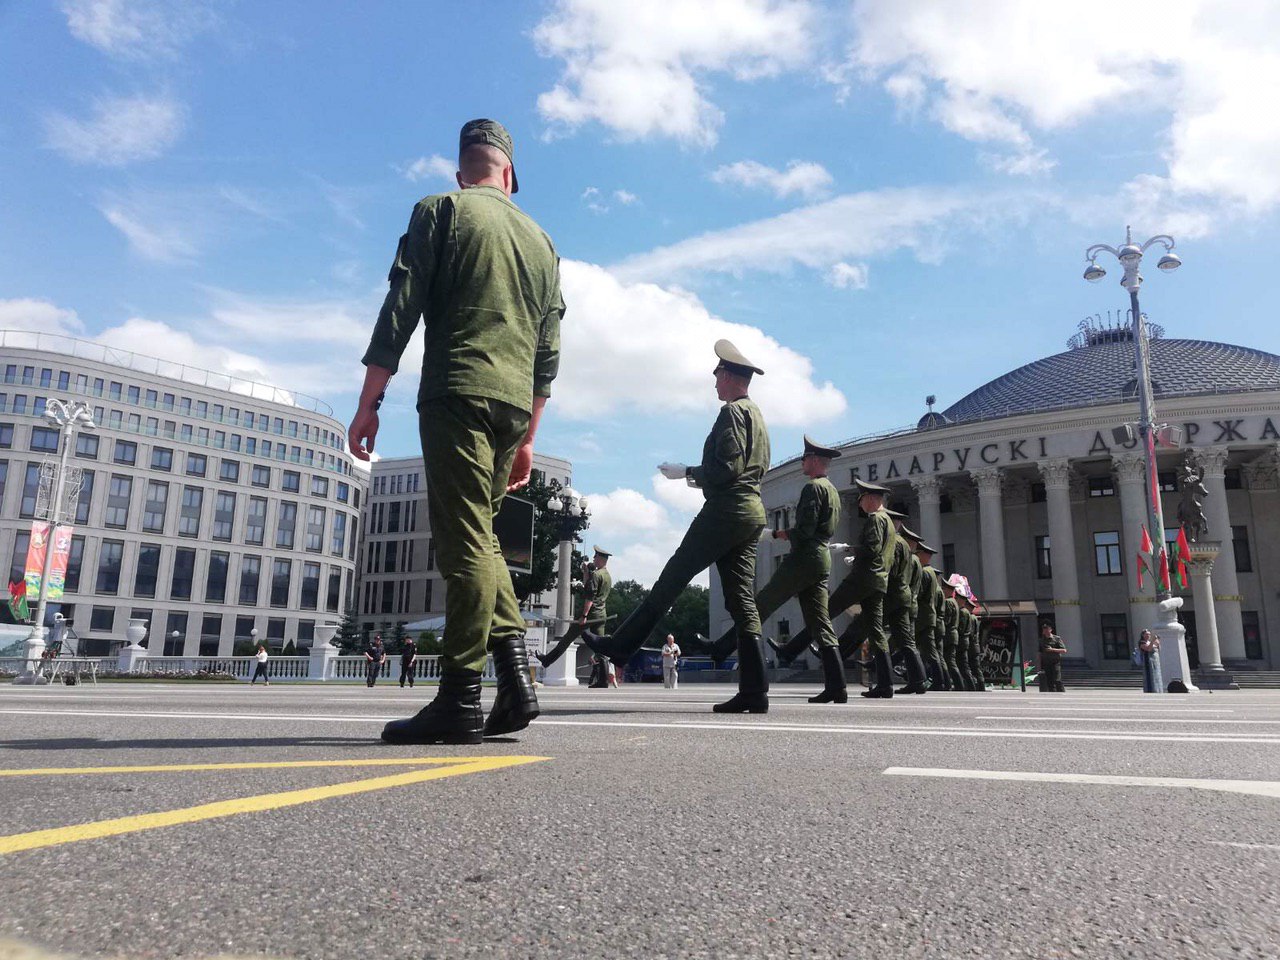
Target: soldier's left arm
[725,456]
[808,514]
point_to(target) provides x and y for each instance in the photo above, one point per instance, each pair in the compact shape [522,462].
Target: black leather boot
[556,652]
[610,647]
[915,673]
[753,686]
[883,690]
[516,705]
[787,652]
[835,690]
[454,716]
[935,675]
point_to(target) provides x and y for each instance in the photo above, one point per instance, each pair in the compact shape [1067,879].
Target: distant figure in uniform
[374,657]
[951,637]
[725,532]
[1052,648]
[486,279]
[408,658]
[805,570]
[900,604]
[964,636]
[671,663]
[928,603]
[596,586]
[976,646]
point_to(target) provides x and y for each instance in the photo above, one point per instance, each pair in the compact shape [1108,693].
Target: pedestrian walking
[671,663]
[487,279]
[1052,647]
[408,661]
[1149,649]
[261,669]
[374,657]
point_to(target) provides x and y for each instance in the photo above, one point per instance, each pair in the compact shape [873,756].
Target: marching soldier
[596,586]
[1052,647]
[725,532]
[951,636]
[964,631]
[900,604]
[975,646]
[926,600]
[487,279]
[804,571]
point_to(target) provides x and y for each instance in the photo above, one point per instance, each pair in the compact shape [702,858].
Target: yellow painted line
[278,765]
[257,804]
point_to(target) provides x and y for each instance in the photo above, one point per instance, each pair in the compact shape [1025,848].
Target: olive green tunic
[485,280]
[951,638]
[928,595]
[868,581]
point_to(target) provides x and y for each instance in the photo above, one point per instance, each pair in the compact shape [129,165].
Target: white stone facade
[198,479]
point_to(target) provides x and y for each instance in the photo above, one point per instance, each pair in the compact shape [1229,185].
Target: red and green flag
[18,608]
[1144,558]
[1184,555]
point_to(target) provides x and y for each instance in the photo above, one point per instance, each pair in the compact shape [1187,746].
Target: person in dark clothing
[374,658]
[1052,648]
[408,659]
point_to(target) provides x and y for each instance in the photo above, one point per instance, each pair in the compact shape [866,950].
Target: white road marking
[1128,720]
[706,725]
[1245,846]
[1256,788]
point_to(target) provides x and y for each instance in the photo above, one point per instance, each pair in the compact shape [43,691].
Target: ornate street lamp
[572,515]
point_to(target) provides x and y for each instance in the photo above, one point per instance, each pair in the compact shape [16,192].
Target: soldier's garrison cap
[494,134]
[818,450]
[731,359]
[864,487]
[601,552]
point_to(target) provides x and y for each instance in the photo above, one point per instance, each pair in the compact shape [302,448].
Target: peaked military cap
[731,359]
[896,514]
[910,534]
[494,134]
[818,450]
[602,553]
[864,487]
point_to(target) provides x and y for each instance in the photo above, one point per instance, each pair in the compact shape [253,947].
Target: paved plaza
[148,820]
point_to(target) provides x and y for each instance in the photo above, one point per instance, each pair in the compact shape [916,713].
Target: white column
[929,493]
[1131,475]
[564,672]
[1226,585]
[1062,550]
[995,575]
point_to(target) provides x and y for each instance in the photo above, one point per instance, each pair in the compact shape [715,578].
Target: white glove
[673,471]
[848,561]
[839,547]
[766,534]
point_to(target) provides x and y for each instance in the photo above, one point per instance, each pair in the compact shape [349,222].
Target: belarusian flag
[18,602]
[1144,557]
[1145,546]
[1184,554]
[1164,571]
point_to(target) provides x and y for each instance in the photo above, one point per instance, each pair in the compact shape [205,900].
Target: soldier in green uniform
[975,646]
[951,634]
[725,532]
[903,631]
[928,606]
[1052,647]
[595,592]
[964,631]
[804,571]
[486,280]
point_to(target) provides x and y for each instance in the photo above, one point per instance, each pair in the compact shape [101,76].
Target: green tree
[690,614]
[430,645]
[289,650]
[625,596]
[395,642]
[348,636]
[546,540]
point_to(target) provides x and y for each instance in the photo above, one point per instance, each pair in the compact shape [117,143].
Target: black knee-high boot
[915,673]
[883,690]
[753,685]
[454,716]
[835,690]
[516,705]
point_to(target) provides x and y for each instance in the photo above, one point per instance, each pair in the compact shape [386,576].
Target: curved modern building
[211,506]
[1023,487]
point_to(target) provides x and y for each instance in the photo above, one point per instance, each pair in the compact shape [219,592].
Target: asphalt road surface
[634,823]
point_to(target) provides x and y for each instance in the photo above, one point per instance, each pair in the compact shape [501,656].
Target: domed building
[1024,487]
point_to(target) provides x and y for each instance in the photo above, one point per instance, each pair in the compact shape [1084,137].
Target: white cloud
[640,68]
[847,276]
[803,177]
[844,228]
[39,316]
[122,130]
[434,167]
[137,29]
[677,494]
[164,242]
[625,197]
[639,346]
[640,532]
[1203,63]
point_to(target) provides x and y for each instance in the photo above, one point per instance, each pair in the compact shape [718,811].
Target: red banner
[57,565]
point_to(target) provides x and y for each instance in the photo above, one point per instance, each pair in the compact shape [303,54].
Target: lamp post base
[31,674]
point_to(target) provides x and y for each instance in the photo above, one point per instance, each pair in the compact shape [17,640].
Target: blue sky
[876,200]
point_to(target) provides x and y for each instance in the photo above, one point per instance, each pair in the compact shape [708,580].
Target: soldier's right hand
[848,561]
[673,471]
